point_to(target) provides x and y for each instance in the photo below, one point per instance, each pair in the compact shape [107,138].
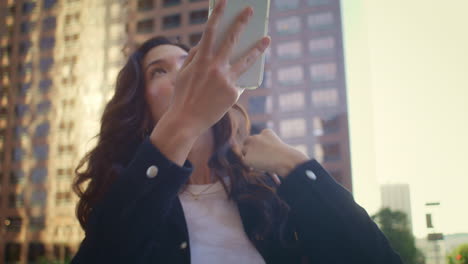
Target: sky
[407,78]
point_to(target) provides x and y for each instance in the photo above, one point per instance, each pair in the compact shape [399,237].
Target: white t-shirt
[215,228]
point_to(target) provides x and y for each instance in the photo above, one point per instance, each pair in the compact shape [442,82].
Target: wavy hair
[125,123]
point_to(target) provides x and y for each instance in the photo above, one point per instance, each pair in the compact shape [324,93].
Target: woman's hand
[267,152]
[205,85]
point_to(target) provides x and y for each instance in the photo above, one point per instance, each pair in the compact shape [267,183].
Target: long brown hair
[126,122]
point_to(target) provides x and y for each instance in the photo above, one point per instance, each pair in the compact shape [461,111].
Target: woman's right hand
[205,85]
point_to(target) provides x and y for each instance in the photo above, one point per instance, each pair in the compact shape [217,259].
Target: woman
[175,178]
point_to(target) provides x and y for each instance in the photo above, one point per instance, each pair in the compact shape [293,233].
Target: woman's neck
[199,157]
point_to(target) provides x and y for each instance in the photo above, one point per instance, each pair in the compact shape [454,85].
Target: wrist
[291,160]
[173,138]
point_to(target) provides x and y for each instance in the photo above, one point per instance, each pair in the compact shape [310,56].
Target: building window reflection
[289,50]
[323,72]
[291,128]
[325,98]
[289,25]
[291,101]
[291,75]
[320,21]
[285,5]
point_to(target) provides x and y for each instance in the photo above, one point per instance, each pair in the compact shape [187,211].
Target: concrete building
[397,197]
[58,61]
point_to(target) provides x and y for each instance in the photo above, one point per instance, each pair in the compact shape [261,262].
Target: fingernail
[249,11]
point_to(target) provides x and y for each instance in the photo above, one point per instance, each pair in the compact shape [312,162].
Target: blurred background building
[58,64]
[397,197]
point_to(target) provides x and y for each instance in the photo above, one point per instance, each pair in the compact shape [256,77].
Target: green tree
[394,224]
[459,255]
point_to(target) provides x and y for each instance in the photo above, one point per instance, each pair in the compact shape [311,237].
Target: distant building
[434,251]
[397,197]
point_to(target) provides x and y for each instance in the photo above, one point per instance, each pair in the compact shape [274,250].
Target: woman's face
[160,67]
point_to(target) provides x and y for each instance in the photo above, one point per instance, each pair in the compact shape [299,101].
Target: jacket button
[183,245]
[152,172]
[311,175]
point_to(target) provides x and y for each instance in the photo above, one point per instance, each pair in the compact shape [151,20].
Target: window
[24,47]
[267,79]
[24,88]
[18,154]
[325,97]
[38,175]
[28,7]
[284,5]
[145,5]
[168,3]
[45,85]
[43,107]
[320,21]
[42,130]
[291,75]
[291,101]
[145,26]
[45,64]
[21,110]
[318,2]
[323,72]
[47,43]
[36,223]
[25,69]
[66,125]
[20,131]
[326,125]
[292,49]
[72,18]
[291,128]
[260,105]
[36,251]
[15,200]
[49,3]
[38,198]
[16,177]
[289,25]
[199,16]
[327,152]
[171,21]
[65,173]
[195,38]
[49,23]
[65,149]
[41,152]
[12,250]
[71,39]
[26,27]
[62,198]
[323,45]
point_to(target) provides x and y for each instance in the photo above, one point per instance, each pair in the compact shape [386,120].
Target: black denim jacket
[141,219]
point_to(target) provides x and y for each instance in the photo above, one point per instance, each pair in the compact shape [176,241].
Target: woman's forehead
[165,52]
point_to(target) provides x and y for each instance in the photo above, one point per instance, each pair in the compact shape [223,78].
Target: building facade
[58,63]
[59,60]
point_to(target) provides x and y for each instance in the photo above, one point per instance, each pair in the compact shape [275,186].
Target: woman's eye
[157,72]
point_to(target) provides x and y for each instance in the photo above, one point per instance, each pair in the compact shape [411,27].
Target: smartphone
[256,28]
